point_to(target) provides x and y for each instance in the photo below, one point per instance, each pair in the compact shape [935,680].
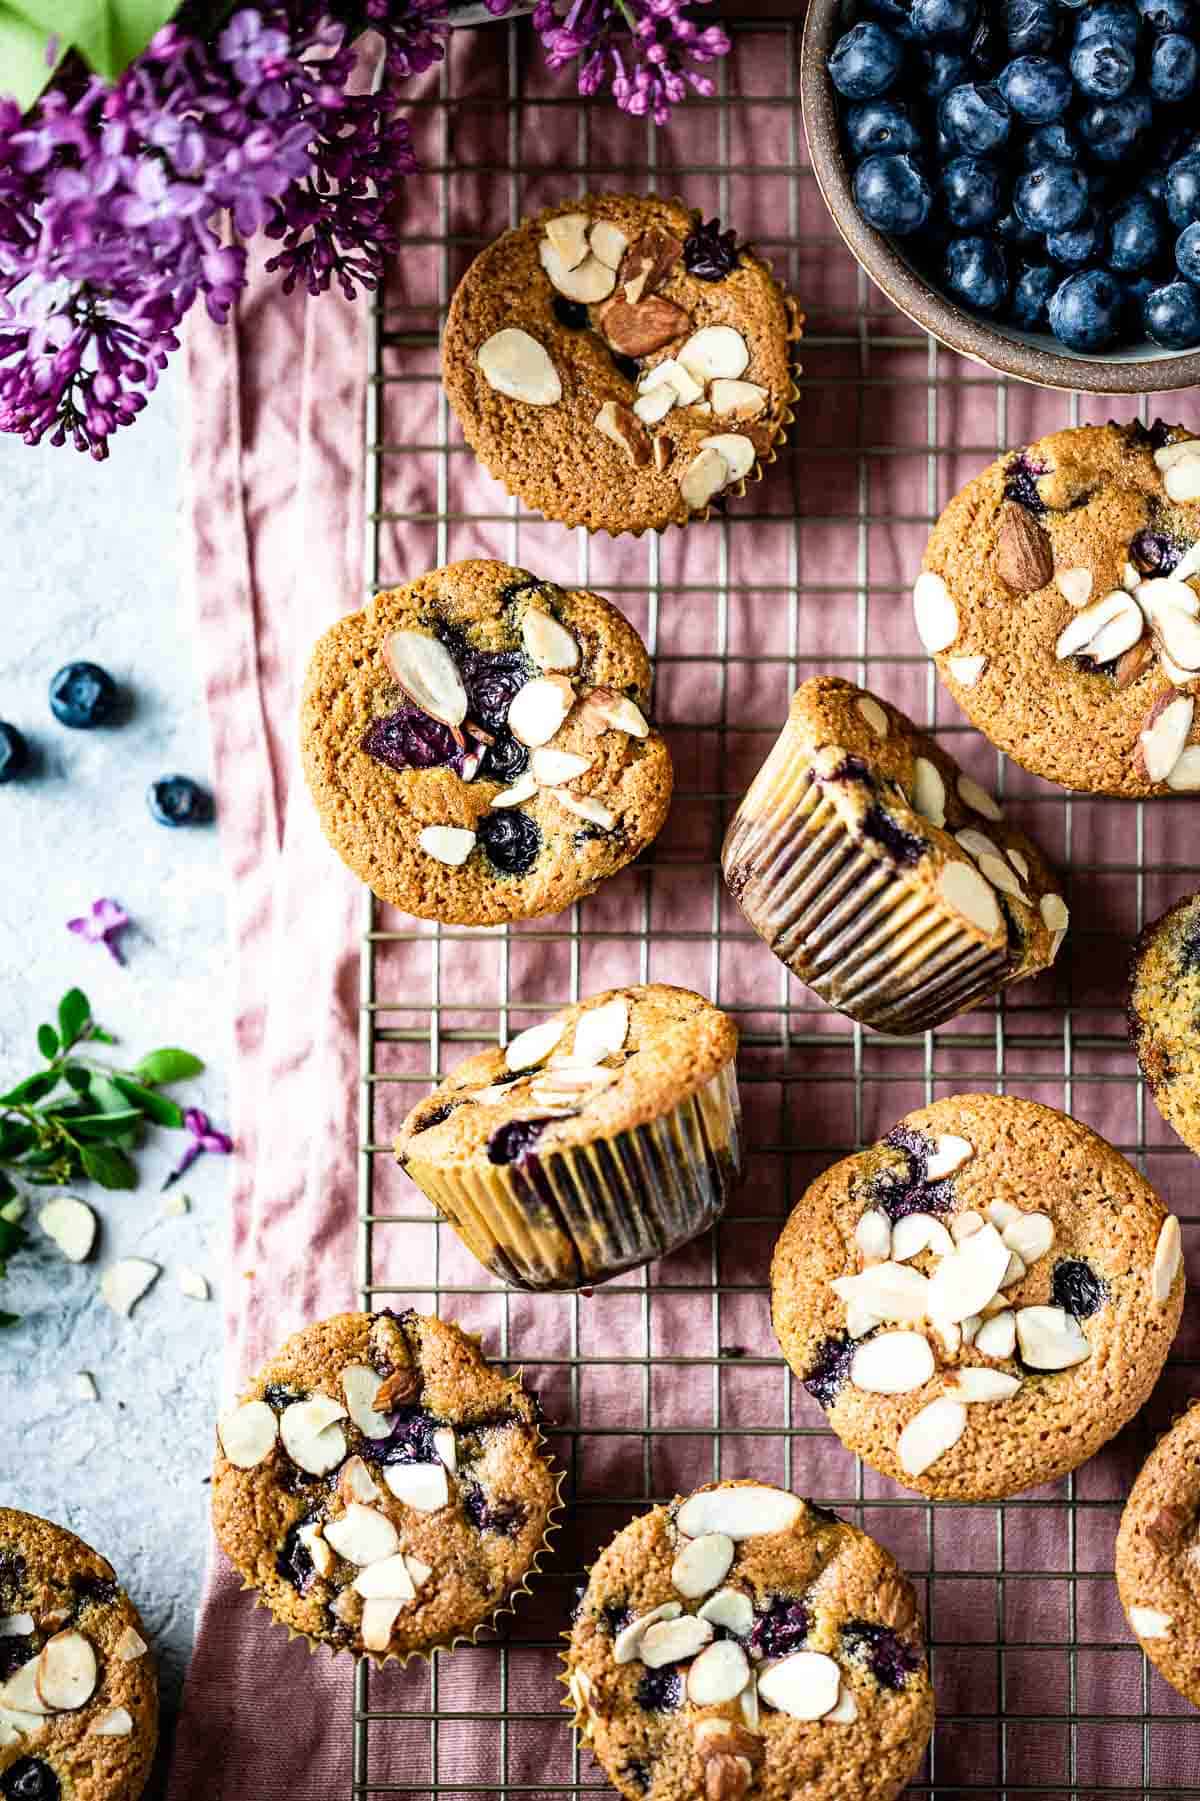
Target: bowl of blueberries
[1020,177]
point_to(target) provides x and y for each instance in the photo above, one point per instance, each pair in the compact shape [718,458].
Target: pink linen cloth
[809,572]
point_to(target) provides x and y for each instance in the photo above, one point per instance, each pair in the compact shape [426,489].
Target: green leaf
[33,1088]
[167,1066]
[96,1036]
[25,68]
[7,1189]
[47,1042]
[78,1078]
[9,1319]
[158,1107]
[106,1095]
[74,1011]
[12,1237]
[109,33]
[110,1167]
[104,1125]
[16,1137]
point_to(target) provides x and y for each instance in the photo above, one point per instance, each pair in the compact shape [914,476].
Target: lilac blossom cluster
[643,49]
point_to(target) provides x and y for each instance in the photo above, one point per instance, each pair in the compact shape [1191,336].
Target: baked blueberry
[83,695]
[176,800]
[975,116]
[571,314]
[1183,190]
[888,1657]
[976,273]
[30,1779]
[880,127]
[782,1629]
[709,253]
[1187,252]
[511,840]
[1051,197]
[1077,1289]
[661,1690]
[1031,296]
[1135,235]
[514,1141]
[1037,89]
[892,194]
[1088,311]
[14,752]
[1171,315]
[1174,66]
[865,61]
[829,1374]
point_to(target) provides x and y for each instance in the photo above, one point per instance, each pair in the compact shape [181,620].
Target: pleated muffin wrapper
[567,1218]
[840,912]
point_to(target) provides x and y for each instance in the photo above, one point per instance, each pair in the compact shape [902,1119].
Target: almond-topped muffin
[603,1137]
[384,1489]
[1164,1011]
[618,363]
[78,1690]
[1158,1548]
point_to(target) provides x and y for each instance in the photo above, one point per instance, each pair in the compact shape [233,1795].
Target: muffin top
[743,1639]
[382,1487]
[477,745]
[1158,1546]
[982,1299]
[1061,596]
[602,1066]
[78,1693]
[617,363]
[1164,1006]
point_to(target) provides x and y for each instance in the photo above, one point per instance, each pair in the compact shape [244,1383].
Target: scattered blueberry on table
[1039,158]
[83,695]
[177,800]
[14,752]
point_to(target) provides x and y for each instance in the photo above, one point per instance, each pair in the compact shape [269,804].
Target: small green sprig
[80,1118]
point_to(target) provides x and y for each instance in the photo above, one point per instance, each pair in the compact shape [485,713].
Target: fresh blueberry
[491,678]
[894,14]
[30,1779]
[1103,67]
[782,1629]
[1077,1289]
[1037,89]
[83,695]
[1087,312]
[1051,197]
[1009,229]
[504,759]
[1032,26]
[943,18]
[975,117]
[1154,187]
[514,1141]
[1174,65]
[892,194]
[1183,191]
[1171,315]
[1111,128]
[971,192]
[510,840]
[1051,144]
[1031,296]
[1167,15]
[881,128]
[178,800]
[985,52]
[1110,19]
[1135,235]
[1082,244]
[1171,145]
[1187,257]
[14,752]
[865,61]
[944,69]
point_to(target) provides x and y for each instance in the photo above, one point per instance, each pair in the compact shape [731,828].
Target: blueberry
[971,192]
[504,1518]
[83,695]
[178,800]
[943,18]
[1077,1289]
[628,366]
[1154,187]
[1110,128]
[504,759]
[491,678]
[1036,88]
[1031,296]
[975,117]
[1171,315]
[1103,67]
[1032,25]
[294,1561]
[904,848]
[1051,197]
[433,1118]
[985,51]
[1167,15]
[1009,229]
[1087,311]
[880,127]
[511,1142]
[30,1779]
[570,313]
[890,1660]
[14,752]
[1110,19]
[1082,244]
[661,1690]
[1051,144]
[410,739]
[709,253]
[892,194]
[831,1371]
[95,1591]
[1021,483]
[865,61]
[1187,259]
[1135,235]
[1174,65]
[944,69]
[511,840]
[782,1629]
[1183,191]
[894,14]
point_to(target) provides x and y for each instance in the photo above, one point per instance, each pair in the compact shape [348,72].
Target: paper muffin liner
[847,923]
[565,1219]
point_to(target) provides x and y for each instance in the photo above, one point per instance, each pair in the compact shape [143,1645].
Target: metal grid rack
[1040,1689]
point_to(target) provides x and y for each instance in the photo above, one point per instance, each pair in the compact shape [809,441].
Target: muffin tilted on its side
[382,1487]
[879,873]
[1060,596]
[745,1642]
[1158,1544]
[1164,1008]
[619,364]
[605,1136]
[78,1690]
[477,744]
[981,1300]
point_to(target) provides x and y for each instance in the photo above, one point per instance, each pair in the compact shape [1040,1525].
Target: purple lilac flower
[102,925]
[204,1136]
[643,49]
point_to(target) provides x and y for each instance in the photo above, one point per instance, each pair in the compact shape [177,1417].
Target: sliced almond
[997,1337]
[624,428]
[247,1433]
[918,1232]
[1016,1270]
[588,282]
[1050,1338]
[428,674]
[977,844]
[737,399]
[702,1565]
[719,1674]
[950,1152]
[568,235]
[446,1447]
[605,710]
[553,767]
[704,476]
[935,612]
[313,1539]
[1104,630]
[653,407]
[736,448]
[966,670]
[647,262]
[1150,1622]
[403,1385]
[16,1625]
[538,709]
[1019,862]
[356,1483]
[116,1723]
[20,1693]
[873,1235]
[628,1641]
[1075,586]
[71,1224]
[966,892]
[601,1032]
[378,1619]
[1030,1235]
[845,1711]
[449,844]
[969,1328]
[929,1434]
[130,1646]
[417,1569]
[1185,776]
[715,352]
[805,1685]
[1053,910]
[891,1290]
[1168,1258]
[608,242]
[1178,634]
[516,365]
[1162,739]
[873,713]
[929,791]
[978,799]
[192,1282]
[85,1386]
[748,1703]
[966,1280]
[123,1284]
[419,1485]
[745,1511]
[585,806]
[972,1385]
[311,1435]
[638,329]
[523,789]
[547,642]
[731,1609]
[893,1364]
[965,1224]
[860,1320]
[1182,480]
[386,1579]
[670,373]
[533,1045]
[950,1333]
[66,1672]
[669,1641]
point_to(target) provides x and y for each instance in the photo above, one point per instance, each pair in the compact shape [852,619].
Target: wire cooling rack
[670,1376]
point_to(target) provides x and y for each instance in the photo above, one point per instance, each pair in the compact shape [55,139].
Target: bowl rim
[934,312]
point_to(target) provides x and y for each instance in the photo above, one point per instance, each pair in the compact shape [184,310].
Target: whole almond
[726,1778]
[1131,663]
[1167,1527]
[647,263]
[638,330]
[717,1736]
[397,1391]
[1024,559]
[619,424]
[895,1604]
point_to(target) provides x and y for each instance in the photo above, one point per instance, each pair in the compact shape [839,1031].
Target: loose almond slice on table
[71,1224]
[124,1283]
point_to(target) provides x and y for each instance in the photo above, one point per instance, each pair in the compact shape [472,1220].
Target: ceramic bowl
[1031,356]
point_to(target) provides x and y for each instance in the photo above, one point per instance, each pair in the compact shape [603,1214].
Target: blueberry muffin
[381,1487]
[1060,595]
[879,873]
[78,1691]
[477,744]
[743,1642]
[618,363]
[981,1300]
[600,1138]
[1158,1546]
[1164,1015]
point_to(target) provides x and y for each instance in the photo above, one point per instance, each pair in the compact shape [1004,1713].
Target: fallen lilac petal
[101,925]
